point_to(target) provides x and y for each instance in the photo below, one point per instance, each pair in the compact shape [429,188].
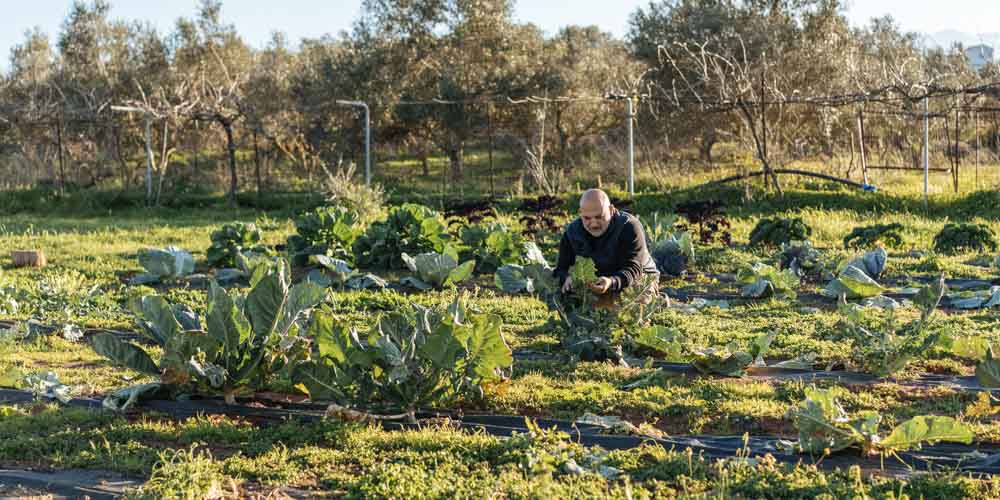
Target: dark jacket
[620,253]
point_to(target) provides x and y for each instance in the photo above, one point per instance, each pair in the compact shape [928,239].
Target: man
[615,241]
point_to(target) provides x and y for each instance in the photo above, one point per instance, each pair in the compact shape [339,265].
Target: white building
[979,55]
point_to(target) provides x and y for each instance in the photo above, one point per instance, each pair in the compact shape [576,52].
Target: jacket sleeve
[567,257]
[631,248]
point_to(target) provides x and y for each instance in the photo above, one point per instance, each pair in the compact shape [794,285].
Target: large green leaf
[265,302]
[487,350]
[124,353]
[225,321]
[460,273]
[156,318]
[854,284]
[931,429]
[988,370]
[512,278]
[819,419]
[301,298]
[662,339]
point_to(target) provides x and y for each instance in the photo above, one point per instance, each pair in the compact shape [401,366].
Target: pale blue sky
[256,19]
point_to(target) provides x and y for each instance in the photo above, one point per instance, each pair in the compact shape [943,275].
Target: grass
[89,253]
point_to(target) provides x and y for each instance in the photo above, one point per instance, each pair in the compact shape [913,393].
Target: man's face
[595,218]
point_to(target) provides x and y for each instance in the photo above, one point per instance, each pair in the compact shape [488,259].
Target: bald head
[595,211]
[595,198]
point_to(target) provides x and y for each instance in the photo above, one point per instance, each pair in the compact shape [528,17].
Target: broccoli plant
[410,228]
[964,237]
[824,427]
[234,347]
[875,235]
[163,264]
[883,347]
[329,231]
[412,358]
[231,240]
[777,231]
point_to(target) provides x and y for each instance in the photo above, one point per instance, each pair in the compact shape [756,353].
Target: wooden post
[958,159]
[256,161]
[975,118]
[62,168]
[861,147]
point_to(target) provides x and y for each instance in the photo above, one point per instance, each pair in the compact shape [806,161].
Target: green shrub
[864,237]
[959,237]
[777,231]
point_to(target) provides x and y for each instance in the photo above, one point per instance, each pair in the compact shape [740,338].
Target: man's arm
[631,248]
[567,257]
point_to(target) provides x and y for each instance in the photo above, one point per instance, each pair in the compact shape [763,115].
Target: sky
[257,19]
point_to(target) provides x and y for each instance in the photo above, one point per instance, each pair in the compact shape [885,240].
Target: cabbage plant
[437,270]
[412,358]
[825,427]
[857,279]
[163,264]
[762,281]
[233,347]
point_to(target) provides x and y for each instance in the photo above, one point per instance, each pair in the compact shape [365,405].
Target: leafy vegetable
[959,237]
[801,258]
[988,370]
[778,231]
[710,218]
[492,245]
[881,347]
[411,358]
[857,278]
[436,270]
[729,360]
[329,231]
[163,264]
[824,427]
[231,240]
[875,235]
[762,281]
[410,228]
[243,340]
[582,274]
[534,276]
[672,250]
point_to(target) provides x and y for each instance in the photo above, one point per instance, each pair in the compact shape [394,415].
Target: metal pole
[368,138]
[631,151]
[368,147]
[927,154]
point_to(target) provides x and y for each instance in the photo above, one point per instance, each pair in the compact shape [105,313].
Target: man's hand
[601,286]
[567,285]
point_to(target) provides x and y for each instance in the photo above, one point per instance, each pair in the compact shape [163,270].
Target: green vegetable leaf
[124,353]
[931,429]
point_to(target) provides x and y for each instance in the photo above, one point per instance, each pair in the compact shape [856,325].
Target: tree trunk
[426,164]
[708,140]
[256,162]
[455,154]
[62,168]
[231,148]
